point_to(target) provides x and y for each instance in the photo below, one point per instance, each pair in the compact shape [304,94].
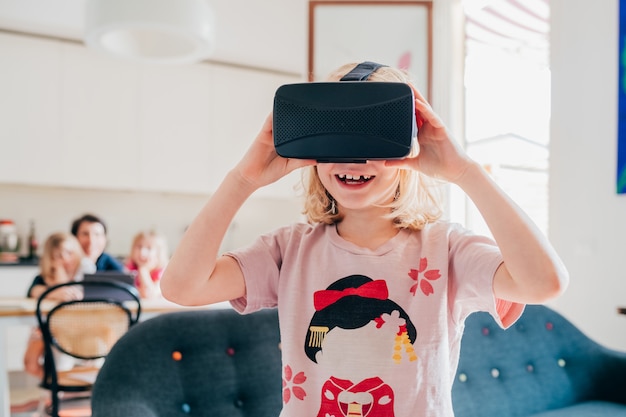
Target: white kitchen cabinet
[15,280]
[74,117]
[14,283]
[99,105]
[68,115]
[175,123]
[241,101]
[197,122]
[30,133]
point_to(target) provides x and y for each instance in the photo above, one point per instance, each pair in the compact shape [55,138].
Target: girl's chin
[356,206]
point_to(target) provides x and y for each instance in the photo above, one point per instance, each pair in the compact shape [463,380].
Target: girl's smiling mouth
[351,179]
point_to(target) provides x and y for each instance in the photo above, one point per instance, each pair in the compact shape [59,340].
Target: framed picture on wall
[621,131]
[395,33]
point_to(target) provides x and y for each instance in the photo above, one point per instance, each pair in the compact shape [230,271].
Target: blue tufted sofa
[542,366]
[218,363]
[214,363]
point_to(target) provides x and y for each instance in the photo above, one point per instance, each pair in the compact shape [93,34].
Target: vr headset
[347,121]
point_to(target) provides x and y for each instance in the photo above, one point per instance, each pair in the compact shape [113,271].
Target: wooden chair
[82,332]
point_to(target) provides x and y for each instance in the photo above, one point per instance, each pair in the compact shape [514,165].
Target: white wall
[126,212]
[587,217]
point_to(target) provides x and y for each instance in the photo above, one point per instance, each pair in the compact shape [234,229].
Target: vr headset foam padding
[347,121]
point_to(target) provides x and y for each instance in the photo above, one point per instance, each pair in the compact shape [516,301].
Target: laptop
[108,292]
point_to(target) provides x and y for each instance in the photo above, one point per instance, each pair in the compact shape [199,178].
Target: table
[21,311]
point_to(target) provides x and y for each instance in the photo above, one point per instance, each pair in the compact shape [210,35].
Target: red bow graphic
[373,289]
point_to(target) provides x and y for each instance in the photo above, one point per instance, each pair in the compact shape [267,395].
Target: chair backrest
[542,362]
[201,362]
[85,328]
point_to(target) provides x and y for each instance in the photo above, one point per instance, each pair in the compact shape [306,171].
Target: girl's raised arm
[195,274]
[532,271]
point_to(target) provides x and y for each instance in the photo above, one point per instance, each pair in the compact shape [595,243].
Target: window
[507,100]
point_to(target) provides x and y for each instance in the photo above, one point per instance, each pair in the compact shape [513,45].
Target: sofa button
[462,377]
[530,367]
[239,403]
[186,408]
[485,331]
[561,362]
[495,373]
[230,351]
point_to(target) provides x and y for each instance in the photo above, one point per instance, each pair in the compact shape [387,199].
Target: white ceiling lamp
[153,31]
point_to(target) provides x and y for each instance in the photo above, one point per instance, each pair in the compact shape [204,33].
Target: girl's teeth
[354,177]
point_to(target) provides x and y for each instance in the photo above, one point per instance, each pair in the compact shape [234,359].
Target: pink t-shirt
[371,333]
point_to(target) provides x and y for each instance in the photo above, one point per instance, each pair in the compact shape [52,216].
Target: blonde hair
[160,245]
[54,243]
[417,200]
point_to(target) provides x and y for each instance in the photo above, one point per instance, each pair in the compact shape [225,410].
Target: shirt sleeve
[260,263]
[474,260]
[38,280]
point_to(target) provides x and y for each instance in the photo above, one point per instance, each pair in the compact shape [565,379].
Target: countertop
[21,262]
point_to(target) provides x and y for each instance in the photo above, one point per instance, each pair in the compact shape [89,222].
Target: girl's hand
[145,269]
[439,156]
[261,165]
[59,274]
[147,263]
[147,287]
[66,293]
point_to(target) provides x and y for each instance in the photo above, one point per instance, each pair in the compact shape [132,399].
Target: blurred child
[148,258]
[63,260]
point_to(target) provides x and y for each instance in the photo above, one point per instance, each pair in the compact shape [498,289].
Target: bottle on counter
[9,241]
[33,244]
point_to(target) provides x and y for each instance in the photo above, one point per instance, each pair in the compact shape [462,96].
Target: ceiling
[252,33]
[249,33]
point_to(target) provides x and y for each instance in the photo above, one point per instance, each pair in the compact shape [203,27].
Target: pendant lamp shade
[152,31]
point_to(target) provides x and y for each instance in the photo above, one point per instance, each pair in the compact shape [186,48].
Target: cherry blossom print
[292,385]
[423,282]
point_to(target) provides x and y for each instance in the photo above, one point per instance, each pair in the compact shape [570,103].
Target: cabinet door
[79,118]
[175,126]
[99,127]
[30,146]
[241,100]
[15,280]
[14,283]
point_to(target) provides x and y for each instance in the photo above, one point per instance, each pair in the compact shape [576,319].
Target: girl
[63,260]
[148,257]
[373,292]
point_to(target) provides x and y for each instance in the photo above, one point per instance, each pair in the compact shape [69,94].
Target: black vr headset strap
[362,71]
